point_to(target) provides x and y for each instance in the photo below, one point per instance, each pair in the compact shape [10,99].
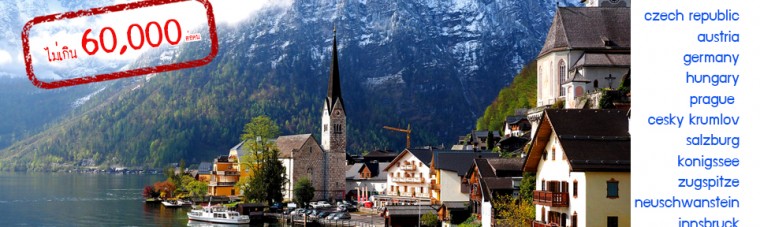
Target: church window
[540,75]
[562,72]
[596,84]
[338,129]
[325,128]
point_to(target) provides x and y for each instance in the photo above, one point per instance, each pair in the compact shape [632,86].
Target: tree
[260,127]
[165,188]
[513,211]
[527,186]
[150,192]
[303,191]
[274,176]
[197,189]
[267,177]
[429,219]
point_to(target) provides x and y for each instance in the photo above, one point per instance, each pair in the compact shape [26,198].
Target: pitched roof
[287,144]
[603,60]
[497,167]
[376,168]
[589,28]
[489,185]
[205,168]
[516,119]
[593,140]
[381,153]
[353,170]
[239,150]
[459,161]
[483,134]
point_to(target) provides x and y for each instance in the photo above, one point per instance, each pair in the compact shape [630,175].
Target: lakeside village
[564,163]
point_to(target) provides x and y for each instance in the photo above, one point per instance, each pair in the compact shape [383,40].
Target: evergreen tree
[303,191]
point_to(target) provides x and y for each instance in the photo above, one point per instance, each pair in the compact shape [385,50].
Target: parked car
[276,207]
[323,214]
[298,211]
[323,204]
[313,205]
[313,214]
[331,216]
[342,215]
[341,208]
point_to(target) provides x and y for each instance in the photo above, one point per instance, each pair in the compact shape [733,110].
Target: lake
[74,199]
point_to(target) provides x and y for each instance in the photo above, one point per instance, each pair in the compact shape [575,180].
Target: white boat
[217,214]
[171,203]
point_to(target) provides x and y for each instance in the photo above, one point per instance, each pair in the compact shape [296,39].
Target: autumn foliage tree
[150,192]
[165,188]
[512,211]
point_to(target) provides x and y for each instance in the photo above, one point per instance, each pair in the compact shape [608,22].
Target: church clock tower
[334,132]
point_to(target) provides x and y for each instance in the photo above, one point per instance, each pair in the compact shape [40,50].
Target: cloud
[5,57]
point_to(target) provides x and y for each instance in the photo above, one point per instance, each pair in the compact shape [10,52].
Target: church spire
[333,86]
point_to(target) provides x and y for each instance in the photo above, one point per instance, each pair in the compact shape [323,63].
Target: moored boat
[217,214]
[171,203]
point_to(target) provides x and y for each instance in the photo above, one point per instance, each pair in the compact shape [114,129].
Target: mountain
[25,109]
[434,65]
[520,94]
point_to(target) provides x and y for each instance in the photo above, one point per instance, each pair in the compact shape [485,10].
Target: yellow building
[582,161]
[224,176]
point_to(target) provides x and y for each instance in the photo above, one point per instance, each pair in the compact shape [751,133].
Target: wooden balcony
[409,179]
[540,224]
[216,183]
[408,167]
[228,173]
[552,199]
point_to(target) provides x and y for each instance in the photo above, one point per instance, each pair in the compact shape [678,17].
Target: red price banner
[113,42]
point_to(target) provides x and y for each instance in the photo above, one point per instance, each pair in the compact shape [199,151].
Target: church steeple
[333,86]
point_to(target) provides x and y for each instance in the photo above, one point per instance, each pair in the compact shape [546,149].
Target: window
[562,72]
[543,185]
[422,190]
[325,128]
[574,221]
[338,129]
[554,154]
[612,221]
[596,84]
[612,190]
[544,155]
[575,189]
[540,75]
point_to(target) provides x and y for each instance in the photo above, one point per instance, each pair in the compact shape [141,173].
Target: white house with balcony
[409,178]
[581,158]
